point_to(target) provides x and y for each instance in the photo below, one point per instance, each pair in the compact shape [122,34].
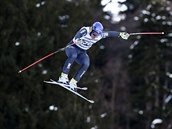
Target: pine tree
[149,62]
[30,30]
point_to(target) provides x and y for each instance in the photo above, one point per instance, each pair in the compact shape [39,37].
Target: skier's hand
[77,41]
[124,35]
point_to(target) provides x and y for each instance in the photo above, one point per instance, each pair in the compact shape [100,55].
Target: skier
[82,41]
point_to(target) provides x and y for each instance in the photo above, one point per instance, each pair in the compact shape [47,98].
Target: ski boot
[63,79]
[73,84]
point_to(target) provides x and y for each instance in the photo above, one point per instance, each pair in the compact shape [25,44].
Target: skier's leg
[84,61]
[71,53]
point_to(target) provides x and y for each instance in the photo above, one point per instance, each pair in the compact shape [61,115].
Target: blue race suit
[78,52]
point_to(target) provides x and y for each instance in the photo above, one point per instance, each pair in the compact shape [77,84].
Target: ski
[79,88]
[67,88]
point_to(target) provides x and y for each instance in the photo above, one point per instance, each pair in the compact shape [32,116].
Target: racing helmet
[97,27]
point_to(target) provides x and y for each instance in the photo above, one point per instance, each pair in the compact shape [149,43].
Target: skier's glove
[124,35]
[77,41]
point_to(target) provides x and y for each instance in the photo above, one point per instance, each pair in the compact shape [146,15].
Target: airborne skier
[82,41]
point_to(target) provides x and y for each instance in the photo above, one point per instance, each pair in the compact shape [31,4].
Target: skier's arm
[123,35]
[80,33]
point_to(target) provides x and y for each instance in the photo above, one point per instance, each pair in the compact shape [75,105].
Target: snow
[146,20]
[133,45]
[44,72]
[63,17]
[102,47]
[163,40]
[168,98]
[168,8]
[140,112]
[123,28]
[38,5]
[169,23]
[39,34]
[136,18]
[53,108]
[95,127]
[96,80]
[69,0]
[107,17]
[170,34]
[153,15]
[104,2]
[171,13]
[164,17]
[149,7]
[88,120]
[164,23]
[145,12]
[169,75]
[43,2]
[17,43]
[114,8]
[155,122]
[158,17]
[103,115]
[130,56]
[39,65]
[26,109]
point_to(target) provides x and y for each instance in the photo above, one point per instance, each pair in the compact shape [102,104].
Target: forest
[129,80]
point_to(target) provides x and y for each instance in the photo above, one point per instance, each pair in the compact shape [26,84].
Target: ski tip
[84,88]
[162,33]
[45,81]
[20,71]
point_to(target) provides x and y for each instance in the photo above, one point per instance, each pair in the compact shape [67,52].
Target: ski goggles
[95,34]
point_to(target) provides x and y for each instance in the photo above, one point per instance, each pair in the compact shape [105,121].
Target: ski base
[69,89]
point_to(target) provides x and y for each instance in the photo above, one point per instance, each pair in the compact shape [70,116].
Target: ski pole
[145,33]
[43,58]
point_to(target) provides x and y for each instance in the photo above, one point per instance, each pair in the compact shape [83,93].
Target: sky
[114,7]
